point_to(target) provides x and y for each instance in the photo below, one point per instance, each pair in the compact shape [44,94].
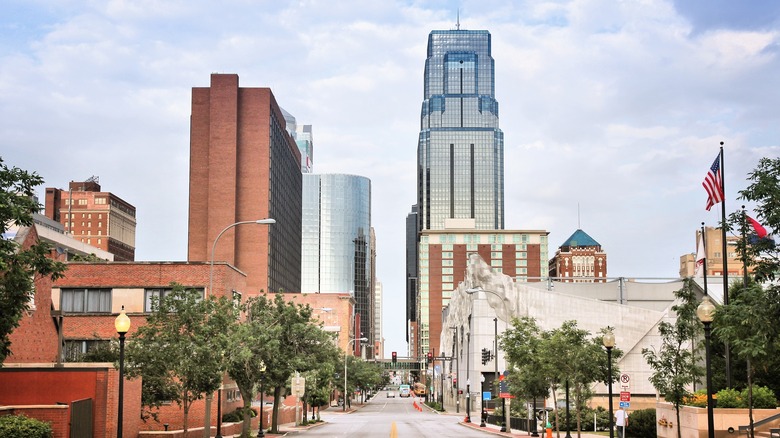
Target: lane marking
[393,430]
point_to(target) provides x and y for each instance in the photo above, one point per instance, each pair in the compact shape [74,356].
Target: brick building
[95,217]
[579,259]
[244,166]
[443,259]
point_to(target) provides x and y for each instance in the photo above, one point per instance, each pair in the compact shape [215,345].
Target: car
[390,394]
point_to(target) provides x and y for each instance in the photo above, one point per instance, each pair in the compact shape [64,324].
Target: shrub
[21,426]
[763,397]
[641,424]
[697,399]
[730,398]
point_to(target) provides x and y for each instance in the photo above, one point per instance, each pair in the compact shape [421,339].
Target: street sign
[298,386]
[487,395]
[624,379]
[625,396]
[624,405]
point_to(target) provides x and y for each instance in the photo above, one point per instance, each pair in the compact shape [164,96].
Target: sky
[612,111]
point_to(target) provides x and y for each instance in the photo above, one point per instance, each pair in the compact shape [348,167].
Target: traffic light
[430,357]
[486,356]
[395,357]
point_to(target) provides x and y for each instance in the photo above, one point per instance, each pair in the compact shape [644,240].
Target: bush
[697,399]
[641,424]
[730,398]
[763,397]
[21,426]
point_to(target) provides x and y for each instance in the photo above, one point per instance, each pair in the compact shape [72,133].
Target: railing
[514,423]
[759,423]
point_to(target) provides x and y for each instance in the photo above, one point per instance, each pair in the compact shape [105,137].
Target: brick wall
[56,416]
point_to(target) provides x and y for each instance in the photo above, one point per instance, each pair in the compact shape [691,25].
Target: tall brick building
[244,166]
[94,217]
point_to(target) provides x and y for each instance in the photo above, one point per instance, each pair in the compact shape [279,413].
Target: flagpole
[744,248]
[725,258]
[704,265]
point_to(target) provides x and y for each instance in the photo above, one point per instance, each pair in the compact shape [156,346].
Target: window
[100,201]
[446,255]
[152,297]
[86,300]
[74,350]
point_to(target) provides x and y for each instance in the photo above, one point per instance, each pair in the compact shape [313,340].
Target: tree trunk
[750,397]
[275,411]
[677,422]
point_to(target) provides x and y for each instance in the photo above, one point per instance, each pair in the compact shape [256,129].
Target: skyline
[612,113]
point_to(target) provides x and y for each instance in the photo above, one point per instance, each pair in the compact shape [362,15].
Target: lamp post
[260,433]
[609,342]
[266,221]
[568,433]
[706,312]
[345,370]
[472,291]
[456,358]
[122,325]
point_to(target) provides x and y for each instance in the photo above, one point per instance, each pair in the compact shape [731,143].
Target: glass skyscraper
[460,153]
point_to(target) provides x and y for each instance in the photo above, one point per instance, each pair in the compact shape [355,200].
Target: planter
[693,421]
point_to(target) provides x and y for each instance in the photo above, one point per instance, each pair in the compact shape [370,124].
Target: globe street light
[609,342]
[266,221]
[345,370]
[122,325]
[706,313]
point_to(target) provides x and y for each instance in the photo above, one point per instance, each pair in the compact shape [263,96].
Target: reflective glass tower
[460,152]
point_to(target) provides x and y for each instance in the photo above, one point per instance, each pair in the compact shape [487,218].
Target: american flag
[712,184]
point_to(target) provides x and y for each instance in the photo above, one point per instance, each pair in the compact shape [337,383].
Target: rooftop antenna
[457,25]
[579,227]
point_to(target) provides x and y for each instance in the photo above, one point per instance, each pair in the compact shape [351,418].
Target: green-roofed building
[579,259]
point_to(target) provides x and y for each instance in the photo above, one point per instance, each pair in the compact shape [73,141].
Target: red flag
[760,230]
[712,184]
[700,256]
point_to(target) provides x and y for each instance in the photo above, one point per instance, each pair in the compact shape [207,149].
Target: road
[391,417]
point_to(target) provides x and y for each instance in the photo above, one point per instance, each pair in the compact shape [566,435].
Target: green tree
[749,325]
[577,358]
[179,351]
[674,365]
[528,369]
[764,190]
[20,267]
[296,343]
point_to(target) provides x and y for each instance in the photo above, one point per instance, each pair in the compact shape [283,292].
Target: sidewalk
[496,430]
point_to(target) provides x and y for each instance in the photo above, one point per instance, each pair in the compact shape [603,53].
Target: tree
[179,351]
[674,365]
[295,343]
[522,344]
[765,192]
[20,266]
[749,325]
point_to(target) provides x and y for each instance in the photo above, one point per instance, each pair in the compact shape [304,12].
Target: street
[391,417]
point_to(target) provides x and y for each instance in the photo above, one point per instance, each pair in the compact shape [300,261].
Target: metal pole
[568,434]
[344,406]
[260,433]
[710,419]
[219,413]
[121,384]
[457,372]
[609,376]
[468,374]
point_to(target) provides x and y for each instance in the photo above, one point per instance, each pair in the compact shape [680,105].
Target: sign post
[298,388]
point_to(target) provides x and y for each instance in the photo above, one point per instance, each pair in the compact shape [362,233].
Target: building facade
[336,250]
[460,152]
[244,166]
[579,259]
[713,252]
[444,258]
[97,218]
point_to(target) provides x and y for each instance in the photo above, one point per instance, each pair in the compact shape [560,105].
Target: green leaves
[19,266]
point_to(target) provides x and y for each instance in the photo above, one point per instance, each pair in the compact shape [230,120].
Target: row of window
[83,216]
[92,300]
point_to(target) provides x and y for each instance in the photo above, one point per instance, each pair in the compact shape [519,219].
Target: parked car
[390,394]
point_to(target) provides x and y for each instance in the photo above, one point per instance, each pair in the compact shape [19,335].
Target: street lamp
[260,433]
[345,370]
[706,312]
[122,325]
[472,291]
[266,221]
[609,342]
